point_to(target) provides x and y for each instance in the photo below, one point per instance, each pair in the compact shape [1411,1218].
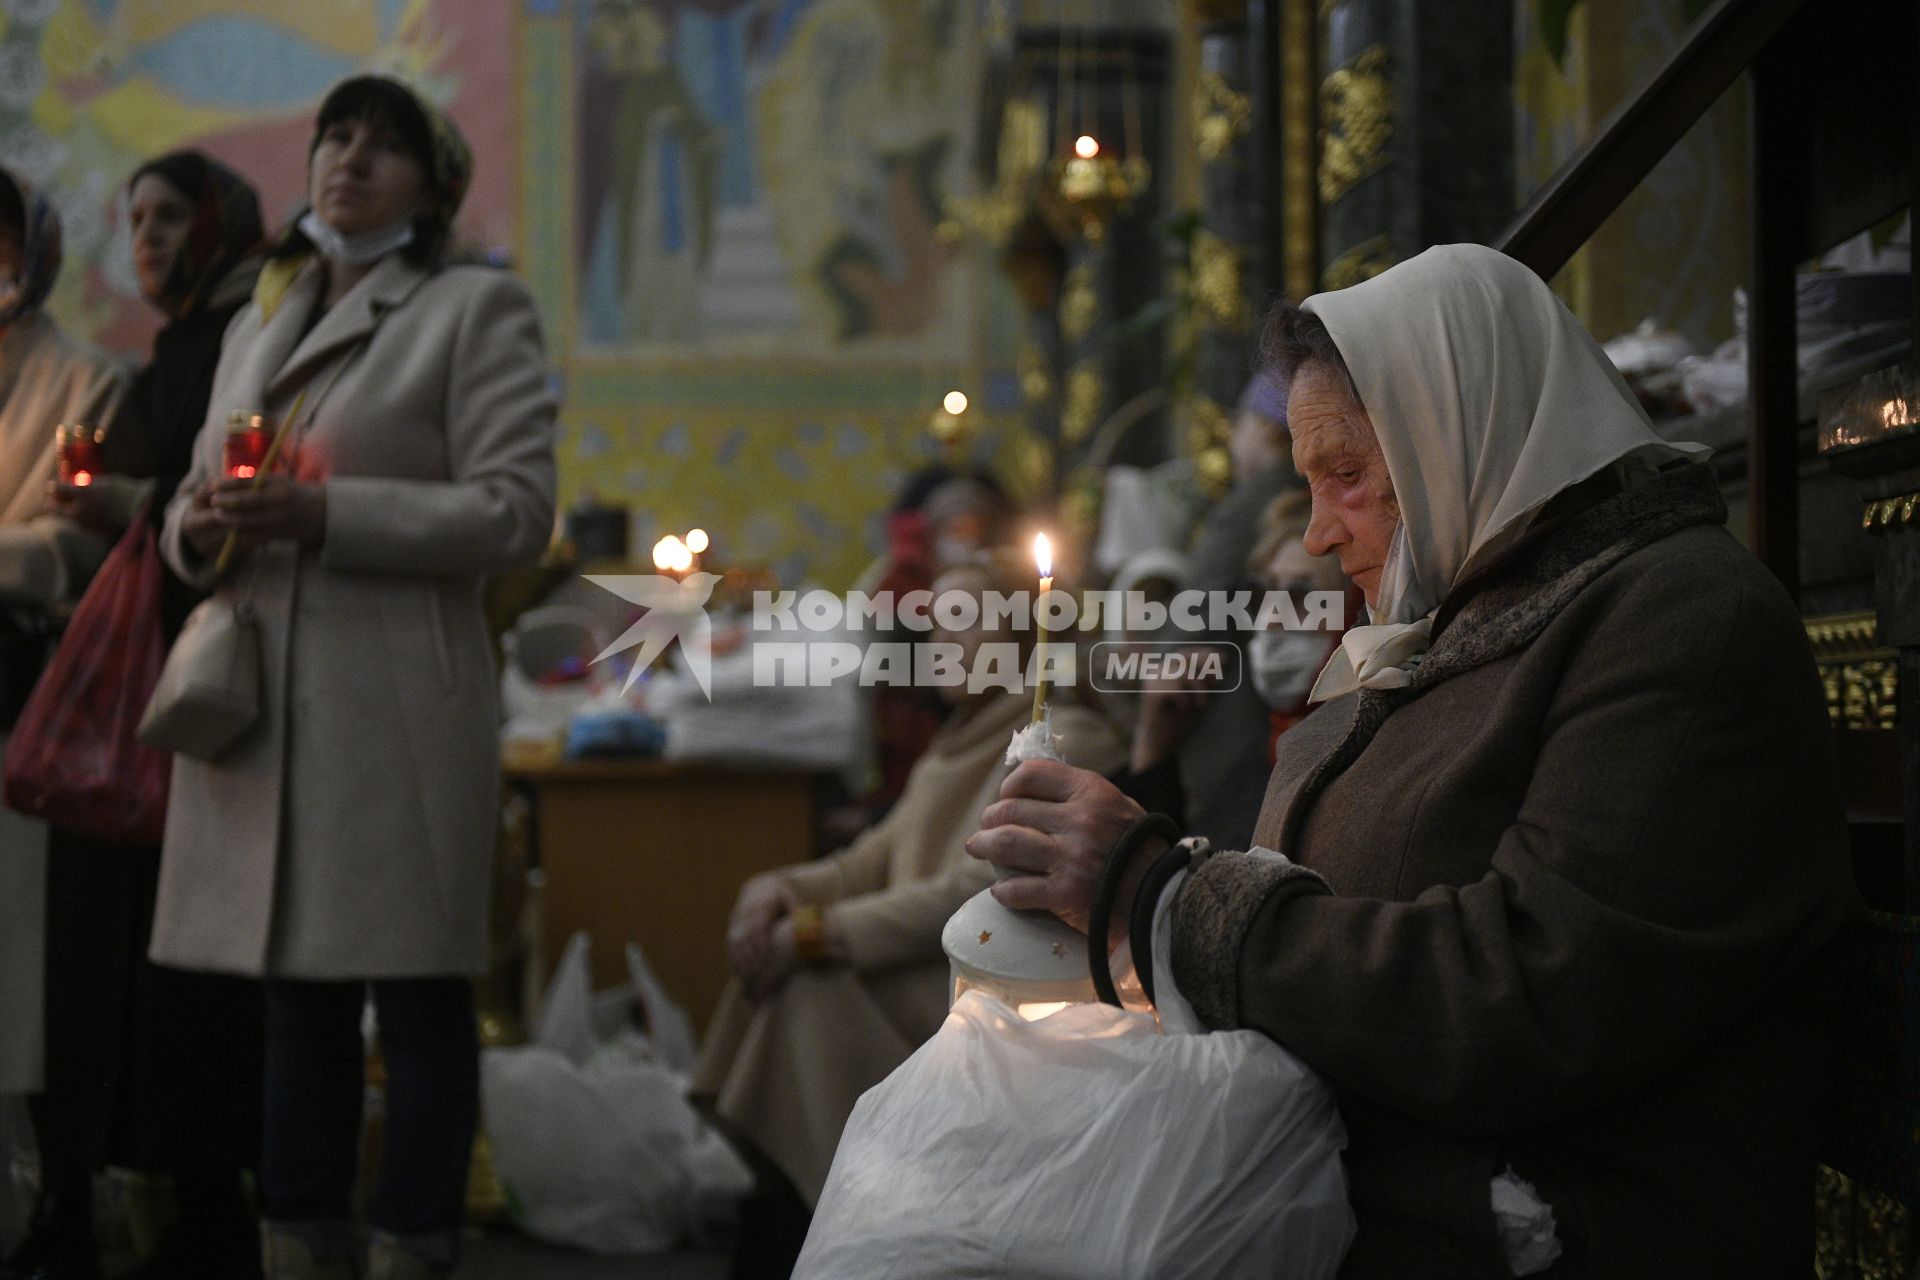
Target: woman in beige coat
[346,840]
[812,1022]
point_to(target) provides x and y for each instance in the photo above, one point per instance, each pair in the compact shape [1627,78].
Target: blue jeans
[314,1085]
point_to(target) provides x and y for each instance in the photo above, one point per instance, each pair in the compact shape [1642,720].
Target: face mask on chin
[1283,664]
[359,249]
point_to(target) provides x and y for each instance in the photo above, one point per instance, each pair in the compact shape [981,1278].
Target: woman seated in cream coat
[839,970]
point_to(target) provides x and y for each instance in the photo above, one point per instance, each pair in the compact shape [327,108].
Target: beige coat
[46,378]
[789,1071]
[350,833]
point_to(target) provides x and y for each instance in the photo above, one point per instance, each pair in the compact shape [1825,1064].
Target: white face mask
[1282,664]
[355,250]
[1401,599]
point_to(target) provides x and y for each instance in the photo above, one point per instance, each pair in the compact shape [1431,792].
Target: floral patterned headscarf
[39,252]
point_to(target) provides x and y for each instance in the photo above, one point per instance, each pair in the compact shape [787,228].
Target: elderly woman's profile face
[1337,453]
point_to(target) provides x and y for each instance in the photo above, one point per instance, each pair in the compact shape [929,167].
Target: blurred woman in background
[46,378]
[150,1068]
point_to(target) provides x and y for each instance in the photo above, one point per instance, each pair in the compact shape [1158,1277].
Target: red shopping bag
[73,758]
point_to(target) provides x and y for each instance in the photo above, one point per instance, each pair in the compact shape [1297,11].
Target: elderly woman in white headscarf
[1548,887]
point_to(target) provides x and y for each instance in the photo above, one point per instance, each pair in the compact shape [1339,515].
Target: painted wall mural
[90,88]
[734,215]
[770,176]
[730,212]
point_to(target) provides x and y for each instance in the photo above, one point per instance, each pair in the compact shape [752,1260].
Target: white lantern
[1030,961]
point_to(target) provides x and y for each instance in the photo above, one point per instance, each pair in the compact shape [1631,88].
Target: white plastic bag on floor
[1086,1144]
[592,1134]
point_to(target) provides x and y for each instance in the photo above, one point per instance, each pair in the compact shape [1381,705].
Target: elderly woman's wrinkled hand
[1056,824]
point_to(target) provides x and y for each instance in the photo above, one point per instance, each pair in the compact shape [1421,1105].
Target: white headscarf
[1488,399]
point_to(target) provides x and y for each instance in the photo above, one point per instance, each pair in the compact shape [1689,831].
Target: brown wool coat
[788,1071]
[1585,878]
[351,832]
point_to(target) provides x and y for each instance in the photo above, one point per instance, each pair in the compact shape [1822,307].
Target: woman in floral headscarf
[346,840]
[147,1067]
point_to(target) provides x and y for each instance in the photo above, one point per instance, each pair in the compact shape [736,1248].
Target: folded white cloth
[1380,655]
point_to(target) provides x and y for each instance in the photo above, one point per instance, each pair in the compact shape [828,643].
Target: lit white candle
[1043,556]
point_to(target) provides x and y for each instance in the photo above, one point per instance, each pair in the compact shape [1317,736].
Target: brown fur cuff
[1211,916]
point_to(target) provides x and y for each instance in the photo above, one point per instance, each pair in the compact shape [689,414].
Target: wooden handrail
[1570,207]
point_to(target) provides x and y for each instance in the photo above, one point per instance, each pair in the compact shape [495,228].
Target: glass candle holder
[77,448]
[249,436]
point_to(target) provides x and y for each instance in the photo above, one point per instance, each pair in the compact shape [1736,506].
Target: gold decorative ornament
[1356,110]
[1080,507]
[1882,514]
[1223,113]
[1219,281]
[1859,1233]
[1086,393]
[1214,467]
[1079,303]
[1035,374]
[1362,262]
[1092,185]
[1208,424]
[1019,159]
[1860,674]
[1032,467]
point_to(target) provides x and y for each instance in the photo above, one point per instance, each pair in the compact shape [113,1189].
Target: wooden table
[652,852]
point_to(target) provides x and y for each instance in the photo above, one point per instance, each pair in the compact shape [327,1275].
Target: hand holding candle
[275,447]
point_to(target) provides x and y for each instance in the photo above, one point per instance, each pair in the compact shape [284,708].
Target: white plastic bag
[592,1134]
[1086,1144]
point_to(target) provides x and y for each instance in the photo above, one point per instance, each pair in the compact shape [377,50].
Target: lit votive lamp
[77,449]
[244,453]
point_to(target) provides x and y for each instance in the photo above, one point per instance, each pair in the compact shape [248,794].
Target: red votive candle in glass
[245,451]
[78,451]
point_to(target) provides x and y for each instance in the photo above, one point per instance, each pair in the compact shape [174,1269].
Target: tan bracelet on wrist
[809,934]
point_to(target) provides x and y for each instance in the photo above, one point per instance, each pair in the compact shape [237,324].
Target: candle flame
[243,472]
[697,540]
[81,479]
[1086,146]
[671,555]
[955,403]
[1043,554]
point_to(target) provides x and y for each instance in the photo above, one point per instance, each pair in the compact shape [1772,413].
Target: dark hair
[1294,337]
[378,101]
